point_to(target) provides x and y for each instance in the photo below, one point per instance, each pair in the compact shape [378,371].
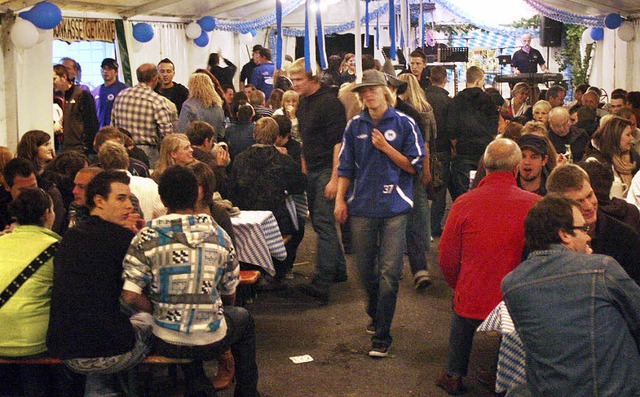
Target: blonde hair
[531,127]
[291,94]
[266,131]
[388,96]
[298,66]
[542,105]
[520,88]
[201,87]
[170,144]
[414,94]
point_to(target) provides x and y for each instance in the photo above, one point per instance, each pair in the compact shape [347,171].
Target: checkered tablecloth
[258,238]
[511,358]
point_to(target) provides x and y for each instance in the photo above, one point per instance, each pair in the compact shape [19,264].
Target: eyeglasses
[584,228]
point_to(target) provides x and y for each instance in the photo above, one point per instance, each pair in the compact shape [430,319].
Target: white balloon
[42,34]
[246,38]
[626,31]
[24,34]
[193,30]
[136,46]
[586,36]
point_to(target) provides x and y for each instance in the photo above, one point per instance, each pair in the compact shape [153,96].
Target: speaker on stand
[550,32]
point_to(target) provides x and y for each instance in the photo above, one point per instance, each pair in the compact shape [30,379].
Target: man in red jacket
[482,241]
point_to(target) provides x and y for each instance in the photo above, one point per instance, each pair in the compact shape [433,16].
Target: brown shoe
[452,384]
[226,371]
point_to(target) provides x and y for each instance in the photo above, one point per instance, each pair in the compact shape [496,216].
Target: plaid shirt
[144,113]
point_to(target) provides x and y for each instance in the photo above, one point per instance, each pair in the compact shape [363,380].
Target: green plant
[569,56]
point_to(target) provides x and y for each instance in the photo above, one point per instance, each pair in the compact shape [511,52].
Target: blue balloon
[253,32]
[207,23]
[143,32]
[203,40]
[597,34]
[43,15]
[613,21]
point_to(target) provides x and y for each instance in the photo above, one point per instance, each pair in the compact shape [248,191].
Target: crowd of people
[154,166]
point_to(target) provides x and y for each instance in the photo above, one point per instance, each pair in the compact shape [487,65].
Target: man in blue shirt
[105,94]
[262,76]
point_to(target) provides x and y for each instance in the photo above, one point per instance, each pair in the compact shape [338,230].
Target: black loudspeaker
[550,32]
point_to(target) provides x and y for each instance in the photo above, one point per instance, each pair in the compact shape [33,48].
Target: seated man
[136,167]
[181,269]
[608,236]
[87,328]
[261,179]
[577,314]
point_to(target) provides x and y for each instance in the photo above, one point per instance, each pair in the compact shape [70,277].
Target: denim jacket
[579,319]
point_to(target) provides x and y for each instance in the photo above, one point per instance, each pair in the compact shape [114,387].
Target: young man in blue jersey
[381,151]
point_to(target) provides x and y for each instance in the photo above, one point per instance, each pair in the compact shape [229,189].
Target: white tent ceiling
[249,9]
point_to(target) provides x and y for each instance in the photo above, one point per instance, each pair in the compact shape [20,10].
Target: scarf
[624,167]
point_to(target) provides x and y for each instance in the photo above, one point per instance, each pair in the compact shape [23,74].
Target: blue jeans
[241,337]
[439,204]
[460,167]
[460,342]
[330,258]
[378,244]
[418,228]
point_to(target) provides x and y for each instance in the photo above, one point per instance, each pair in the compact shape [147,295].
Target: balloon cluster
[197,31]
[29,28]
[612,21]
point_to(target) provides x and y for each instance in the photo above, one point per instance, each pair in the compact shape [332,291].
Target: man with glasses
[577,314]
[608,236]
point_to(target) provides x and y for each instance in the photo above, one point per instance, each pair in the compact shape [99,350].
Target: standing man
[182,268]
[482,241]
[247,69]
[381,166]
[262,75]
[527,59]
[80,122]
[105,94]
[472,125]
[143,112]
[224,75]
[175,92]
[577,314]
[75,72]
[440,101]
[555,95]
[322,120]
[418,67]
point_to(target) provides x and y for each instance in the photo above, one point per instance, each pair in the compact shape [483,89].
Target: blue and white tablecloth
[258,238]
[511,358]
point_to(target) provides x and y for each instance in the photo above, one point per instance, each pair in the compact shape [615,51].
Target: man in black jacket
[608,236]
[472,124]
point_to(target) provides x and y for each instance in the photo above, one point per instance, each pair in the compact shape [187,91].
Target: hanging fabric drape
[392,30]
[366,24]
[279,52]
[377,32]
[320,33]
[422,27]
[358,43]
[309,39]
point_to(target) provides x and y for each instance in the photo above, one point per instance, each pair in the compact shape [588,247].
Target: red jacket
[482,241]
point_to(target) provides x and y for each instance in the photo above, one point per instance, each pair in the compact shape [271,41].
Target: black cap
[534,142]
[109,63]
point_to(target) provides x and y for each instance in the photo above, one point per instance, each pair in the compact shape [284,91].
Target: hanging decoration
[586,37]
[309,39]
[143,32]
[203,40]
[207,23]
[358,44]
[193,30]
[377,32]
[44,15]
[279,54]
[392,29]
[24,34]
[613,21]
[320,34]
[422,26]
[366,24]
[563,16]
[597,34]
[626,31]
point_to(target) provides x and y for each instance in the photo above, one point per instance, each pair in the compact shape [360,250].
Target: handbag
[28,271]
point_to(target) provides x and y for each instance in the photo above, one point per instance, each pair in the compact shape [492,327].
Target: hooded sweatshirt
[473,121]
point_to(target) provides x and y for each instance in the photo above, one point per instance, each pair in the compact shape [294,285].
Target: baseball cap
[109,63]
[534,142]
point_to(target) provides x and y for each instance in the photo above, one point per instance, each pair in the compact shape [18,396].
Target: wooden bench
[246,292]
